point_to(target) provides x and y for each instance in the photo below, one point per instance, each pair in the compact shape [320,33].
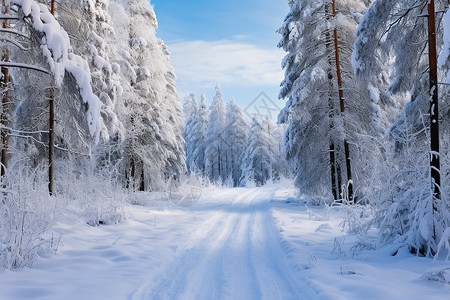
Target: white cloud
[199,64]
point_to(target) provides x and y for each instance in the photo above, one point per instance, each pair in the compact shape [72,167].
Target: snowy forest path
[235,254]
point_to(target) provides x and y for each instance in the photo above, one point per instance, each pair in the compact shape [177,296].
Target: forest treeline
[222,147]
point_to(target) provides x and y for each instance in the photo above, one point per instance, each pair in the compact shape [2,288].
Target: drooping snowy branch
[55,46]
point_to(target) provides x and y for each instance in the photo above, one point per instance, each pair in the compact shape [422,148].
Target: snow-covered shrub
[27,213]
[408,215]
[97,198]
[439,275]
[355,217]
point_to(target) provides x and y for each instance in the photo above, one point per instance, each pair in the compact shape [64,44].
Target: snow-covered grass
[27,214]
[244,243]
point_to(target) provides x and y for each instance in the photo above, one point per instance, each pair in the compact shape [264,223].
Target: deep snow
[245,243]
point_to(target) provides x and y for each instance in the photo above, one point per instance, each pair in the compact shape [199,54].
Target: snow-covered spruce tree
[215,150]
[89,24]
[198,137]
[95,40]
[313,109]
[235,139]
[190,108]
[273,149]
[413,217]
[152,111]
[280,167]
[257,162]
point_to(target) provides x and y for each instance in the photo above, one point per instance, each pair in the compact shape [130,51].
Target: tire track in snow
[175,280]
[239,269]
[272,269]
[236,255]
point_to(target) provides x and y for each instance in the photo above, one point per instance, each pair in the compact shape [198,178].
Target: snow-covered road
[235,254]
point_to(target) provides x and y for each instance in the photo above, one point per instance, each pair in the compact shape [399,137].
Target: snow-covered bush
[407,215]
[27,214]
[93,195]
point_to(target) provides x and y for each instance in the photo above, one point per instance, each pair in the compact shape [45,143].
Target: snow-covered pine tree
[94,38]
[190,108]
[414,217]
[313,109]
[257,162]
[198,137]
[154,146]
[235,140]
[271,132]
[280,167]
[214,151]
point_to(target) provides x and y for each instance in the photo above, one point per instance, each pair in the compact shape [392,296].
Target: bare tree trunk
[328,42]
[5,99]
[218,160]
[339,180]
[434,112]
[226,167]
[51,138]
[142,181]
[51,127]
[342,106]
[132,177]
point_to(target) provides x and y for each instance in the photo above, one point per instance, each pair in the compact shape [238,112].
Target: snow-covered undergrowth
[338,265]
[95,200]
[27,214]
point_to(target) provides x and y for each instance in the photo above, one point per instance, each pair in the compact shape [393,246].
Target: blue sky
[232,41]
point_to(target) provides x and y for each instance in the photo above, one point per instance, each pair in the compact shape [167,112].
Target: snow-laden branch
[55,46]
[13,42]
[8,17]
[13,31]
[22,66]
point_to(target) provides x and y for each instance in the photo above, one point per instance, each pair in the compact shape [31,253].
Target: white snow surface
[243,243]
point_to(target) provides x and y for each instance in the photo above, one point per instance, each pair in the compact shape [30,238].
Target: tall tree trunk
[142,181]
[328,42]
[5,99]
[51,127]
[227,172]
[342,106]
[333,172]
[434,112]
[218,160]
[339,180]
[51,137]
[132,178]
